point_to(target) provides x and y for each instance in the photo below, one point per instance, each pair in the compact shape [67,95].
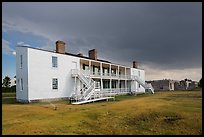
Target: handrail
[143,83]
[89,83]
[90,93]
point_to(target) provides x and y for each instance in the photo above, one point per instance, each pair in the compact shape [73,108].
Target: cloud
[156,73]
[6,49]
[23,44]
[164,36]
[20,24]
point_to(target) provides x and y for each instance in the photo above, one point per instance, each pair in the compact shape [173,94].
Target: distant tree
[200,83]
[6,82]
[15,78]
[13,88]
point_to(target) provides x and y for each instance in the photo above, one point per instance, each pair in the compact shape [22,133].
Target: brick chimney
[135,64]
[60,46]
[93,54]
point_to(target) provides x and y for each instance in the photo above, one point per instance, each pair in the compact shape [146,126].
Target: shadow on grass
[127,96]
[9,94]
[10,100]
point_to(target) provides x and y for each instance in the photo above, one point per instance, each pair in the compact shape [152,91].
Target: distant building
[171,85]
[186,84]
[165,84]
[13,82]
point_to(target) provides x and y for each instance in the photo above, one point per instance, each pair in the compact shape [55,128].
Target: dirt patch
[172,119]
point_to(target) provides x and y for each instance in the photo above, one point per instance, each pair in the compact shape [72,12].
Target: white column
[101,84]
[125,72]
[118,85]
[118,72]
[89,67]
[75,88]
[110,70]
[101,70]
[137,84]
[118,80]
[125,81]
[110,78]
[111,85]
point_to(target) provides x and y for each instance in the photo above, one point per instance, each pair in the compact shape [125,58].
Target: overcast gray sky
[164,37]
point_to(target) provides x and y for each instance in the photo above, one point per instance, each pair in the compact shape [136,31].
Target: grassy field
[169,113]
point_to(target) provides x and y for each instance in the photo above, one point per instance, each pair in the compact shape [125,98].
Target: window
[21,84]
[113,71]
[96,70]
[106,84]
[113,84]
[139,85]
[21,61]
[86,68]
[105,71]
[54,83]
[54,61]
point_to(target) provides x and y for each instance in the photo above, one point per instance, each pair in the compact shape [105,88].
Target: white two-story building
[42,75]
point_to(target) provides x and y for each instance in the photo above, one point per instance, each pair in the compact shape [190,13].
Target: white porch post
[118,80]
[137,86]
[75,88]
[110,70]
[110,78]
[118,73]
[101,71]
[125,81]
[125,72]
[89,67]
[101,77]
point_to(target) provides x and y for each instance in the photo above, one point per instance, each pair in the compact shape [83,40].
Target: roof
[66,53]
[74,55]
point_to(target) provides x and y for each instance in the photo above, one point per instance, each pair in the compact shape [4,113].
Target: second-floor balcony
[105,75]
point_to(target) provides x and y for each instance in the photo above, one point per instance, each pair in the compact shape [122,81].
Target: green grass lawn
[167,112]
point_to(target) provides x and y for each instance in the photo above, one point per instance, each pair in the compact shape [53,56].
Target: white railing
[88,82]
[96,74]
[139,80]
[149,86]
[143,83]
[116,91]
[77,73]
[89,92]
[88,73]
[92,89]
[85,72]
[85,92]
[114,75]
